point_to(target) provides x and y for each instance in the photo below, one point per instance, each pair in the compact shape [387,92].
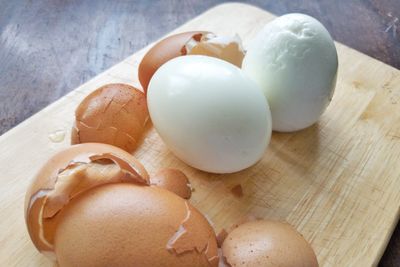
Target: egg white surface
[209,114]
[294,60]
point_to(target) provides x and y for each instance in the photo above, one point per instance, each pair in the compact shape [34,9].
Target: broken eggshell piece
[144,226]
[113,114]
[168,48]
[223,47]
[189,43]
[92,198]
[267,243]
[173,180]
[69,173]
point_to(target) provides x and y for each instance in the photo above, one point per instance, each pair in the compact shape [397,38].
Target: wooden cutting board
[337,182]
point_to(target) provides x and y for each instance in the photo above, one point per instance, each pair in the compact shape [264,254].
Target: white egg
[294,60]
[209,114]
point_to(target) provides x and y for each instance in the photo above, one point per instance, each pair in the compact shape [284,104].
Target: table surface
[48,48]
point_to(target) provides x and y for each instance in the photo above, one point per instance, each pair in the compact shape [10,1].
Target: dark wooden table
[49,47]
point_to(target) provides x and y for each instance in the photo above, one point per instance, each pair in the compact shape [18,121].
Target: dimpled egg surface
[294,60]
[209,114]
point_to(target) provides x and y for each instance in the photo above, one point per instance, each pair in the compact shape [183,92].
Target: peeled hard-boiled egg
[294,60]
[211,115]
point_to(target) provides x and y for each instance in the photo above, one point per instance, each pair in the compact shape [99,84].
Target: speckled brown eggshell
[173,180]
[168,48]
[268,244]
[131,225]
[113,114]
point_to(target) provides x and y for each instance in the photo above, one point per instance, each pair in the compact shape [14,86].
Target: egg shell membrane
[140,226]
[267,243]
[173,180]
[168,48]
[229,49]
[113,114]
[69,173]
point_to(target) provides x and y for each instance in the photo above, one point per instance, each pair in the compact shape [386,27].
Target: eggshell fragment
[68,173]
[223,47]
[268,244]
[166,49]
[294,61]
[237,191]
[173,180]
[91,205]
[114,114]
[189,43]
[125,225]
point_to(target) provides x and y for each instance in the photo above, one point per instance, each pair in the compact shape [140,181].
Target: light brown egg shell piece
[167,49]
[189,43]
[173,180]
[223,233]
[267,243]
[44,183]
[146,226]
[113,114]
[226,48]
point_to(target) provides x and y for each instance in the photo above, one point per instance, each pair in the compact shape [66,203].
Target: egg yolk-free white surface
[294,60]
[211,115]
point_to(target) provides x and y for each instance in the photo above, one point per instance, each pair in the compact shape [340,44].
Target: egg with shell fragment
[189,43]
[92,205]
[210,115]
[294,61]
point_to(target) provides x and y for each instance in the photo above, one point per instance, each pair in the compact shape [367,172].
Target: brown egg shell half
[189,43]
[173,180]
[47,183]
[267,243]
[113,114]
[167,49]
[226,48]
[130,225]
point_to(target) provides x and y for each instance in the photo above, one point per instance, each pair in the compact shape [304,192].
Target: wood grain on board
[336,182]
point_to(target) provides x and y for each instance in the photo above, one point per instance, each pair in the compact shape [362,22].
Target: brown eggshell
[226,48]
[167,49]
[113,114]
[267,243]
[173,180]
[41,211]
[131,225]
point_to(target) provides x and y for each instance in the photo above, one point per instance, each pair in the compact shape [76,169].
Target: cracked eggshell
[47,182]
[171,47]
[267,243]
[189,43]
[114,114]
[294,60]
[211,115]
[223,47]
[92,205]
[173,180]
[125,224]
